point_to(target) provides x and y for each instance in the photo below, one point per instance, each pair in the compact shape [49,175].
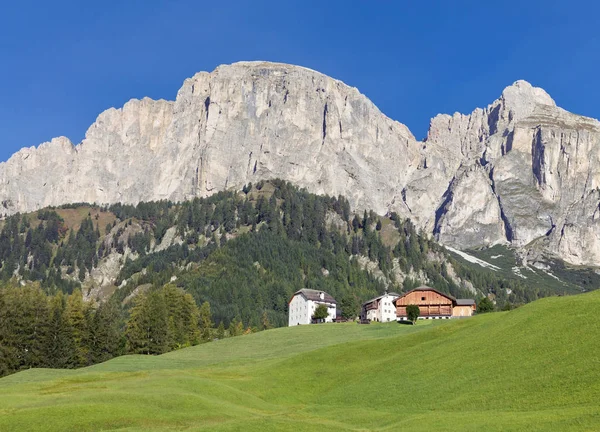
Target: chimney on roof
[322,295]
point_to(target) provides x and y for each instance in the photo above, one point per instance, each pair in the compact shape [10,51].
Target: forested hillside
[241,255]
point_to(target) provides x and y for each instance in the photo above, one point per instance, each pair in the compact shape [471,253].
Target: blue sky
[64,62]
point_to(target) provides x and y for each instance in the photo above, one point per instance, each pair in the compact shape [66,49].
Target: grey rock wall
[521,171]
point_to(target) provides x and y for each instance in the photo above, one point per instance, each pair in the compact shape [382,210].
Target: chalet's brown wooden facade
[433,304]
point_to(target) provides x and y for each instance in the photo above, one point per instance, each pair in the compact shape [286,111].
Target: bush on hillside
[485,305]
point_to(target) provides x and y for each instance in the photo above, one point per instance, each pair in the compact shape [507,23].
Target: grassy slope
[534,368]
[572,280]
[73,217]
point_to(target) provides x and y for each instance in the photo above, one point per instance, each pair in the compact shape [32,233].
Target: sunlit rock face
[518,171]
[238,124]
[542,166]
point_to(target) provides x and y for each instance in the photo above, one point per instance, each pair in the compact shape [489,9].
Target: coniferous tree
[158,323]
[176,336]
[61,351]
[205,321]
[8,356]
[221,331]
[191,315]
[232,327]
[77,315]
[355,224]
[106,340]
[4,359]
[29,325]
[239,328]
[236,327]
[265,323]
[147,326]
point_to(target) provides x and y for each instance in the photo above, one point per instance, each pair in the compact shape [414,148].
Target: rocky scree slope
[521,171]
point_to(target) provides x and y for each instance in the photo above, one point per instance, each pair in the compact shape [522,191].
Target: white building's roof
[391,294]
[315,295]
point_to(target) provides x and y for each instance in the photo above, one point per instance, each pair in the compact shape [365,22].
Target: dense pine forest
[82,284]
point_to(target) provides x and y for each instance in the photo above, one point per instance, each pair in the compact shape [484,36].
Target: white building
[380,309]
[303,304]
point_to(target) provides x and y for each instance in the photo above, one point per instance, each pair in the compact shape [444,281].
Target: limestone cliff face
[527,172]
[520,171]
[240,123]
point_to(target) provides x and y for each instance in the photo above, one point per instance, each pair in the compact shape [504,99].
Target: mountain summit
[521,171]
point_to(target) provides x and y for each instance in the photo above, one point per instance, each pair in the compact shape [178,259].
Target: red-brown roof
[426,288]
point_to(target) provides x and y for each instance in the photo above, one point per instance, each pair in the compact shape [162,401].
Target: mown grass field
[533,368]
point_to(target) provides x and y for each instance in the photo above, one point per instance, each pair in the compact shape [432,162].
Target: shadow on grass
[405,322]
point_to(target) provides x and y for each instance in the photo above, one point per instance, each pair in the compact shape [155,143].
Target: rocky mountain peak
[257,65]
[521,99]
[522,91]
[521,171]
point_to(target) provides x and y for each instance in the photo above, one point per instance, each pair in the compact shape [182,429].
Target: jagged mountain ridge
[521,171]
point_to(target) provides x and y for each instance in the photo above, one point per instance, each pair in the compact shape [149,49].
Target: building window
[422,298]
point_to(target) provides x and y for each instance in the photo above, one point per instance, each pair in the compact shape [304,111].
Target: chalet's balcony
[426,313]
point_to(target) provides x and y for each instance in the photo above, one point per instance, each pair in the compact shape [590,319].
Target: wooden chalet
[433,304]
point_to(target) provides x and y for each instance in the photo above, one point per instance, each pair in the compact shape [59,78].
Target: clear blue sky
[64,62]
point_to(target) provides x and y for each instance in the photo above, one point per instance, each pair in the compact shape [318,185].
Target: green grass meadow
[535,368]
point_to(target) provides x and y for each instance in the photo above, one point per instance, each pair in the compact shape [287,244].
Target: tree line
[65,331]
